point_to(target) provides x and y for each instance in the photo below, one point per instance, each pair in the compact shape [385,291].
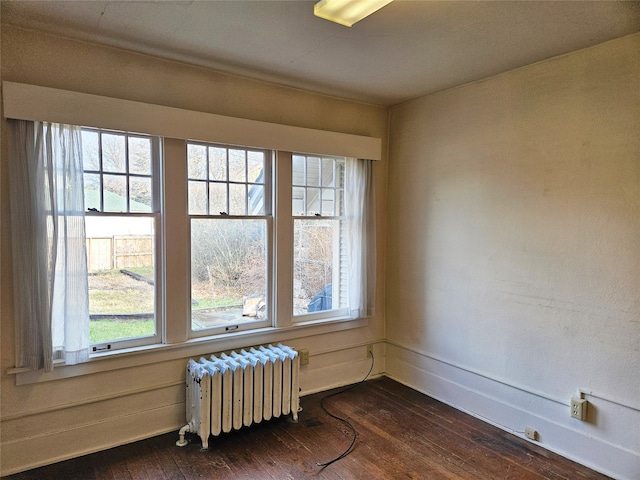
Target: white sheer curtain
[51,299]
[361,235]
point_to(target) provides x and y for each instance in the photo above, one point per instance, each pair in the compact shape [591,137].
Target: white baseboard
[596,444]
[29,453]
[513,409]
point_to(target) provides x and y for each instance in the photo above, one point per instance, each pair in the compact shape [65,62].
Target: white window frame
[338,277]
[270,293]
[156,216]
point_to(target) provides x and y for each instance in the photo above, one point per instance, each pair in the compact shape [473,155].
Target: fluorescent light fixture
[347,12]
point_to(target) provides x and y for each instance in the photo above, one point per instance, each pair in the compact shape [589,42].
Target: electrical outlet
[530,433]
[579,408]
[369,350]
[304,356]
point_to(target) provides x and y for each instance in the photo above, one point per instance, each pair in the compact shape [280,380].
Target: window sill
[134,357]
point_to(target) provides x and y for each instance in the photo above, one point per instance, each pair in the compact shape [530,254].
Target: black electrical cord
[353,430]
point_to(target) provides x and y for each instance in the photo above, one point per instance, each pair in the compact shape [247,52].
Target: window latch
[102,348]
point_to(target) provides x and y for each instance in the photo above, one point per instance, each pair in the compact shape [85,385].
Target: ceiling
[404,51]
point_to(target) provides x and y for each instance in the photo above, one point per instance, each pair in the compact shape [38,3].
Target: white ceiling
[404,51]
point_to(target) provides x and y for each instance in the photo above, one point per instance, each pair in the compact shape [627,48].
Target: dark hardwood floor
[401,434]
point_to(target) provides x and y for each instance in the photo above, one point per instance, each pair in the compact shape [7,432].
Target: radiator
[228,392]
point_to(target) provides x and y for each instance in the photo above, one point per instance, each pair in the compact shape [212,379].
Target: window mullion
[207,184]
[101,165]
[176,232]
[157,179]
[283,248]
[127,184]
[228,185]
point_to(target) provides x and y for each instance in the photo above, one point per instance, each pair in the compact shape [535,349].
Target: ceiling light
[347,12]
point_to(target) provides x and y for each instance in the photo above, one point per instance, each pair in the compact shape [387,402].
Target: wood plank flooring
[401,434]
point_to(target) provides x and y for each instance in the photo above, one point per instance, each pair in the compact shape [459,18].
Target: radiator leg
[182,442]
[294,414]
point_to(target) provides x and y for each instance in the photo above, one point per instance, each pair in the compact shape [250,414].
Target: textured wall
[514,233]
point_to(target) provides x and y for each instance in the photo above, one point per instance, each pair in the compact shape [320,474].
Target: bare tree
[229,254]
[313,267]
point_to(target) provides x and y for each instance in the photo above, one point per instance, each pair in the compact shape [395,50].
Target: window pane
[113,153]
[255,167]
[237,199]
[313,201]
[140,194]
[217,163]
[314,259]
[217,198]
[228,272]
[197,198]
[328,179]
[90,151]
[197,162]
[92,191]
[140,155]
[297,206]
[237,166]
[256,200]
[308,174]
[115,193]
[121,277]
[339,202]
[313,171]
[328,202]
[299,170]
[340,174]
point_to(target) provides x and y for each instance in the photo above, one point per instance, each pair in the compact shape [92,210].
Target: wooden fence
[109,253]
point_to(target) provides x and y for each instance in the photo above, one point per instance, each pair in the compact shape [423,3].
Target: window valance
[36,103]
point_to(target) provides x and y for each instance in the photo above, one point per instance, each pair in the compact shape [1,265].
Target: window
[122,213]
[230,217]
[264,239]
[319,266]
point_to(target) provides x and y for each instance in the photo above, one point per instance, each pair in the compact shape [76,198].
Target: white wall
[59,419]
[513,250]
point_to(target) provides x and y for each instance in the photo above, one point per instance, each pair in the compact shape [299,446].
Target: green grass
[122,301]
[217,302]
[109,330]
[146,272]
[111,292]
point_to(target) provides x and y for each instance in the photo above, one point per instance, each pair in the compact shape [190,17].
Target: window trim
[194,347]
[31,102]
[174,127]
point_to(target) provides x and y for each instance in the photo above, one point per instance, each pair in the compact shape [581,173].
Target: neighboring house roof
[256,196]
[112,202]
